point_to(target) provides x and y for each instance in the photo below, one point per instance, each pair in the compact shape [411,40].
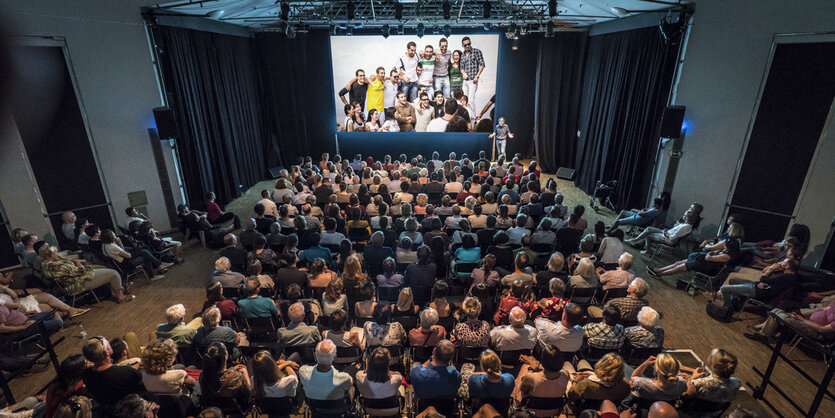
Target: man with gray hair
[630,305]
[213,332]
[322,381]
[297,332]
[175,328]
[619,277]
[224,275]
[516,336]
[235,254]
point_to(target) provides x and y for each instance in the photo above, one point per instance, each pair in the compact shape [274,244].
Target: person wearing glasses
[472,63]
[423,113]
[407,65]
[356,89]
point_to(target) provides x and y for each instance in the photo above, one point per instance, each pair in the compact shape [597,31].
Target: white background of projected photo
[367,52]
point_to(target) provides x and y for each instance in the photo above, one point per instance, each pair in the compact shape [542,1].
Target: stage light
[487,26]
[487,9]
[446,8]
[549,29]
[349,30]
[386,31]
[400,30]
[350,8]
[552,8]
[216,14]
[333,29]
[515,46]
[420,30]
[447,31]
[290,31]
[513,28]
[285,11]
[398,11]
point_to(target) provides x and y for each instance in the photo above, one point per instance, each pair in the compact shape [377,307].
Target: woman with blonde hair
[271,378]
[605,382]
[716,384]
[491,383]
[473,332]
[157,375]
[352,274]
[420,204]
[666,386]
[319,275]
[405,305]
[584,276]
[334,298]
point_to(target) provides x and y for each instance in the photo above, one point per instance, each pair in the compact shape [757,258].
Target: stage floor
[684,318]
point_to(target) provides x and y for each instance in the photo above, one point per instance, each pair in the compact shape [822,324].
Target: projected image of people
[417,84]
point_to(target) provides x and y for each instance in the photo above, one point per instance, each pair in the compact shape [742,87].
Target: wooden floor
[684,319]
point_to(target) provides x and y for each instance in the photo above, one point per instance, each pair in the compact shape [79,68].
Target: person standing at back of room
[472,64]
[440,74]
[407,65]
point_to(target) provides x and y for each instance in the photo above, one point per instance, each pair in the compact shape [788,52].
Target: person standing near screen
[472,63]
[404,113]
[427,61]
[375,99]
[440,74]
[407,65]
[423,113]
[456,73]
[501,134]
[356,89]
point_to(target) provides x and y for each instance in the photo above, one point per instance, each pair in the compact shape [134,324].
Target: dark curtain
[557,102]
[626,84]
[213,87]
[296,79]
[514,88]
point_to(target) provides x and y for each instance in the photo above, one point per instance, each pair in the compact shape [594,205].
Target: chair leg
[794,343]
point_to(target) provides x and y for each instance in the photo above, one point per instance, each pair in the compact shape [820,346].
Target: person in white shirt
[566,335]
[669,237]
[517,232]
[301,195]
[516,336]
[269,206]
[439,124]
[478,219]
[454,186]
[322,381]
[330,236]
[133,216]
[407,64]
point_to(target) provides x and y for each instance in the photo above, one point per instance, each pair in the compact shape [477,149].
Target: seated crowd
[466,280]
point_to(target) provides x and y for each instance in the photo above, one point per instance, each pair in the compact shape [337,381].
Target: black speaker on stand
[166,123]
[671,121]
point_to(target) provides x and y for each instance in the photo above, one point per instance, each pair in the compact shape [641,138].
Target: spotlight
[620,11]
[447,31]
[487,9]
[400,30]
[446,8]
[386,31]
[515,46]
[552,8]
[351,10]
[333,29]
[420,30]
[549,29]
[513,27]
[290,32]
[398,11]
[285,11]
[216,14]
[487,27]
[349,30]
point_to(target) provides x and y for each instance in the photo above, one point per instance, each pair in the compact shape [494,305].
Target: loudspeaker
[671,121]
[274,171]
[166,122]
[565,173]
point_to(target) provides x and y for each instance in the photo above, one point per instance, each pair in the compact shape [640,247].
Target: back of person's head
[444,350]
[611,314]
[175,314]
[639,287]
[265,371]
[517,317]
[259,209]
[661,409]
[381,313]
[471,307]
[95,350]
[490,363]
[457,124]
[551,358]
[587,244]
[252,286]
[517,288]
[428,318]
[501,237]
[70,372]
[440,290]
[325,352]
[296,312]
[585,268]
[377,365]
[214,362]
[609,369]
[405,243]
[450,107]
[648,317]
[211,317]
[557,287]
[75,407]
[722,363]
[556,263]
[337,320]
[574,314]
[521,261]
[666,368]
[159,356]
[424,255]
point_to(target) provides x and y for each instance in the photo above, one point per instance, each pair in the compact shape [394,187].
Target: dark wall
[296,83]
[515,90]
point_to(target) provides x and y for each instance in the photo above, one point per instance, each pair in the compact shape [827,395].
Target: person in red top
[67,384]
[514,299]
[214,297]
[216,215]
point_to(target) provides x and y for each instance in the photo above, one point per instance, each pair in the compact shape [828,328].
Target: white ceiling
[265,14]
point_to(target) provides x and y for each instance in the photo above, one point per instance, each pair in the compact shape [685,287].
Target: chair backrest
[388,294]
[260,324]
[334,248]
[283,406]
[445,407]
[583,295]
[348,352]
[171,405]
[543,247]
[306,352]
[466,268]
[448,322]
[637,355]
[615,293]
[468,354]
[382,403]
[544,404]
[318,292]
[335,407]
[232,292]
[358,234]
[422,294]
[407,322]
[421,354]
[511,357]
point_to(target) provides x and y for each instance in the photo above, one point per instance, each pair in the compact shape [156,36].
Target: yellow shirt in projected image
[374,98]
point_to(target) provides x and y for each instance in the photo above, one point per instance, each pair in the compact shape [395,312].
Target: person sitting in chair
[644,217]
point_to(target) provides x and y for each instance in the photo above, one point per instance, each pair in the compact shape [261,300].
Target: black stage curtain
[557,102]
[214,89]
[514,88]
[626,84]
[296,79]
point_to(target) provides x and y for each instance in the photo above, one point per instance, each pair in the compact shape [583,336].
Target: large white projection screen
[368,52]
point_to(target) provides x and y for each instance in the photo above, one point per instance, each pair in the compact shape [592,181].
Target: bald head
[296,312]
[662,410]
[517,317]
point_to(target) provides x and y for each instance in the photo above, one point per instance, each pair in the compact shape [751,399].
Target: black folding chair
[510,358]
[407,322]
[382,404]
[468,355]
[388,294]
[329,408]
[614,293]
